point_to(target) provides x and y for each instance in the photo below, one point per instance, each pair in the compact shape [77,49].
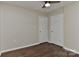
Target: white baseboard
[0,54]
[71,50]
[37,44]
[67,48]
[55,43]
[19,47]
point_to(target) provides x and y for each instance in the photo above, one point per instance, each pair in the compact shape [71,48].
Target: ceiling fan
[48,3]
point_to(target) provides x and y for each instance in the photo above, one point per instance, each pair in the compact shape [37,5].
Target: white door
[43,29]
[56,29]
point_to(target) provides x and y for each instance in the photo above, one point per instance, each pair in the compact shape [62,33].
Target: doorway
[43,29]
[56,29]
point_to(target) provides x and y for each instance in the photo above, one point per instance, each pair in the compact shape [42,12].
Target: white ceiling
[37,5]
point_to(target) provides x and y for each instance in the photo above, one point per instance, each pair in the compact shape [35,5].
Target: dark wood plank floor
[41,50]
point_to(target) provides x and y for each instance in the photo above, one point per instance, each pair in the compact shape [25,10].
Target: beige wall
[1,26]
[56,11]
[71,26]
[0,29]
[20,26]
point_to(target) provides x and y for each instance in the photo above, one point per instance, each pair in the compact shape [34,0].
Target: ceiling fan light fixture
[47,4]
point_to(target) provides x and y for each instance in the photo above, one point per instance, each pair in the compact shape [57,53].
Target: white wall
[20,26]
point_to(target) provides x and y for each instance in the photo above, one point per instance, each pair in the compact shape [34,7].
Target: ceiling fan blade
[54,1]
[43,6]
[51,2]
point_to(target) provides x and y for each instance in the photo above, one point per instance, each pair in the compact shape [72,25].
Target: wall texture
[19,26]
[0,28]
[56,11]
[71,26]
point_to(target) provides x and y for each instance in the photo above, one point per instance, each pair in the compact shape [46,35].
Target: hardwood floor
[42,50]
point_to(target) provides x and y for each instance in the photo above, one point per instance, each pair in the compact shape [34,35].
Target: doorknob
[40,31]
[51,31]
